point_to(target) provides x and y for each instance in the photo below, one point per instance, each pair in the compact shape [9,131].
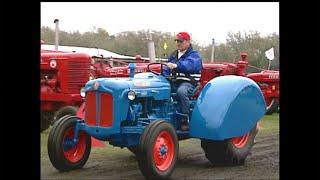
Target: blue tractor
[141,113]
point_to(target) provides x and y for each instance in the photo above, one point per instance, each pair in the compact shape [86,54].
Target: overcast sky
[203,20]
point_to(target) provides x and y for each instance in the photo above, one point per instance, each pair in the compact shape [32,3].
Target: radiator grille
[106,109]
[78,75]
[105,105]
[90,108]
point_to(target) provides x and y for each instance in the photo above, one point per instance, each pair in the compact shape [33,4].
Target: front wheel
[134,149]
[229,152]
[158,150]
[63,153]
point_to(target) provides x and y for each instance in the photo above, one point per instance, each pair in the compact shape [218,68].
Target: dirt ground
[115,163]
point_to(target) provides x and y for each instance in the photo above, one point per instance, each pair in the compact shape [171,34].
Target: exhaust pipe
[151,49]
[212,51]
[56,21]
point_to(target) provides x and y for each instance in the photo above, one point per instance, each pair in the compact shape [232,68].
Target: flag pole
[269,64]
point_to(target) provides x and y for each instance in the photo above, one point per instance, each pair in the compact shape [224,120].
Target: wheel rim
[73,152]
[269,103]
[241,141]
[163,151]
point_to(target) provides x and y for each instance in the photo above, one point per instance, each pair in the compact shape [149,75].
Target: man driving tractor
[186,63]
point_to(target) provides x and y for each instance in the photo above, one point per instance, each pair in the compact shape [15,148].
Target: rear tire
[63,155]
[272,107]
[230,152]
[278,108]
[45,120]
[158,150]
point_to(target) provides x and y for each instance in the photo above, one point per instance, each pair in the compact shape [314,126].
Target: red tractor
[269,84]
[267,80]
[63,74]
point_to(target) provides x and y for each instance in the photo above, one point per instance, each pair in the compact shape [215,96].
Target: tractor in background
[267,80]
[63,74]
[269,84]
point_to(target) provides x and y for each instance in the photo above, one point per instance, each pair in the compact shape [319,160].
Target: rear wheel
[229,152]
[63,153]
[45,120]
[158,150]
[67,110]
[272,106]
[278,108]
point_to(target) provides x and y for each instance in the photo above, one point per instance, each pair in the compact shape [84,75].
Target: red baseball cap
[183,36]
[243,54]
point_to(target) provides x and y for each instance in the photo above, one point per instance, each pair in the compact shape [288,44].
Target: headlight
[53,63]
[82,92]
[95,85]
[131,95]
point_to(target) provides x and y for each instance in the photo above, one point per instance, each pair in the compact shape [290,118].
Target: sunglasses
[178,40]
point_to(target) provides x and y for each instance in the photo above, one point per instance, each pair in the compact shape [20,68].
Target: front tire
[230,152]
[158,150]
[134,149]
[63,154]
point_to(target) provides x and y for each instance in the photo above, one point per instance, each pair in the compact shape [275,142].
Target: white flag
[270,54]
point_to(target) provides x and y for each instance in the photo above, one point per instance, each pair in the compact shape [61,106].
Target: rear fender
[228,106]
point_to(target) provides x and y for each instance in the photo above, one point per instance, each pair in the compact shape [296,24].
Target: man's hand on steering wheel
[172,65]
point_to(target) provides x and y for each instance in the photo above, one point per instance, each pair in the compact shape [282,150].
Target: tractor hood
[144,84]
[109,96]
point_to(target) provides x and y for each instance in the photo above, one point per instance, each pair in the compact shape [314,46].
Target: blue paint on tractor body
[228,106]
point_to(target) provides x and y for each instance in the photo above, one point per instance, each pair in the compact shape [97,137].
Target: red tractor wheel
[158,150]
[45,120]
[67,110]
[240,142]
[272,106]
[229,152]
[65,154]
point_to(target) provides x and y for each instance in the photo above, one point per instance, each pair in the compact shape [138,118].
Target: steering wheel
[154,72]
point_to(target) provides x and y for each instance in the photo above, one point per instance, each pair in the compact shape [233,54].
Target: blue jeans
[183,93]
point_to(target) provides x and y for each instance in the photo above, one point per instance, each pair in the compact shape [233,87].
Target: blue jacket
[189,63]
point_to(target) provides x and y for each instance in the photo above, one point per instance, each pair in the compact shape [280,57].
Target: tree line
[135,42]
